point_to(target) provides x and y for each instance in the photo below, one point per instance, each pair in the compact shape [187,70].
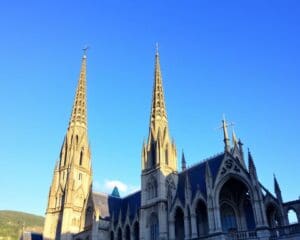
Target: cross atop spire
[156,49]
[85,51]
[225,132]
[79,112]
[158,109]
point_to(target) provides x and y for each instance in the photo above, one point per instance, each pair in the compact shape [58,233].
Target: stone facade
[218,198]
[70,193]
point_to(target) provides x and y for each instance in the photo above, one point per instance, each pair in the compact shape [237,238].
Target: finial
[183,162]
[86,47]
[226,138]
[234,138]
[79,112]
[156,48]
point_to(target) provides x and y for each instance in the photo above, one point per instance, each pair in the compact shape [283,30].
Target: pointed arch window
[136,231]
[127,233]
[201,219]
[111,235]
[65,153]
[166,156]
[228,218]
[152,188]
[81,157]
[189,223]
[292,216]
[154,227]
[153,160]
[119,234]
[179,224]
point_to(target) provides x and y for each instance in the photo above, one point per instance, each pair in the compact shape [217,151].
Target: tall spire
[160,150]
[234,138]
[183,162]
[251,165]
[158,108]
[72,180]
[276,185]
[79,112]
[226,138]
[277,189]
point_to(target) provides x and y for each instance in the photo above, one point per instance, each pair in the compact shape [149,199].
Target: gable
[196,175]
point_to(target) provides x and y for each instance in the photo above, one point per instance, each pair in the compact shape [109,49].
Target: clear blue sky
[241,58]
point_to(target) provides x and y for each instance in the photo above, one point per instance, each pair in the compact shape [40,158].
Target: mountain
[11,224]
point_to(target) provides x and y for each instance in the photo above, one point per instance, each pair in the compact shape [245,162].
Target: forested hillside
[12,223]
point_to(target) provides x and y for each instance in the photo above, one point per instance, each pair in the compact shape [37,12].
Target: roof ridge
[130,194]
[203,161]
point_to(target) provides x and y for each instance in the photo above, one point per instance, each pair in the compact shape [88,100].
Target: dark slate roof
[196,176]
[111,206]
[133,201]
[100,203]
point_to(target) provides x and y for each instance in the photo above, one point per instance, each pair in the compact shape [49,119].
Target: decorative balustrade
[241,235]
[276,233]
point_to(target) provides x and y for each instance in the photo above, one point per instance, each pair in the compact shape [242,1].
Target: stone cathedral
[220,197]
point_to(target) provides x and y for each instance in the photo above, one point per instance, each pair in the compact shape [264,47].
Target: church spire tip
[158,109]
[85,49]
[156,49]
[225,132]
[79,111]
[234,138]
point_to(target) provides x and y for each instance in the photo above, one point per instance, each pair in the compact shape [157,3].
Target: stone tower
[70,191]
[159,159]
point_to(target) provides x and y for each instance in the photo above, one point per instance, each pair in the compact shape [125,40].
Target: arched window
[81,156]
[149,190]
[249,215]
[152,188]
[179,224]
[153,156]
[127,233]
[136,230]
[236,209]
[166,156]
[292,215]
[189,223]
[228,218]
[201,218]
[111,235]
[154,227]
[273,216]
[119,234]
[66,151]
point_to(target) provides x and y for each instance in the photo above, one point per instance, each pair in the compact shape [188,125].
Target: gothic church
[218,198]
